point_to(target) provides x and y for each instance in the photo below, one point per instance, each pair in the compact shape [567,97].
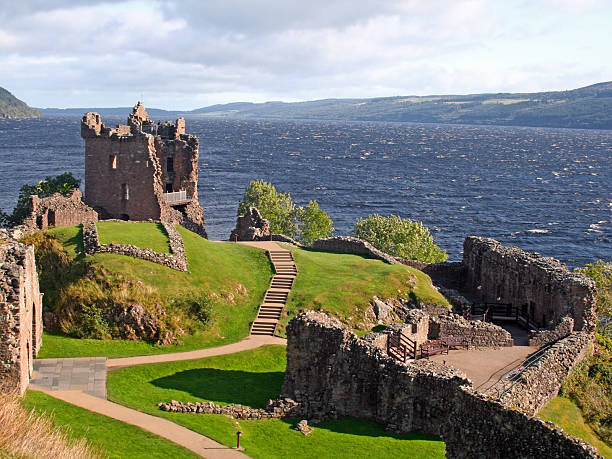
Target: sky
[186,54]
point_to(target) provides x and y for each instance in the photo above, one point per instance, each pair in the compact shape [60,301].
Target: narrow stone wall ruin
[20,314]
[478,334]
[347,244]
[332,373]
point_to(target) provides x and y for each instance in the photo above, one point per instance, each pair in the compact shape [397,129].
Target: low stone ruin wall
[479,334]
[250,226]
[448,274]
[275,409]
[177,261]
[57,211]
[347,244]
[544,337]
[332,373]
[540,383]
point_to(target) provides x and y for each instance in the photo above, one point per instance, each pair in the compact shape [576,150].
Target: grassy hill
[232,278]
[11,107]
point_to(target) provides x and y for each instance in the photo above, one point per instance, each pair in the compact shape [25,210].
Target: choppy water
[544,190]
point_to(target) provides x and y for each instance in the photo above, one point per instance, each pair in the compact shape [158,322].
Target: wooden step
[282,282]
[269,312]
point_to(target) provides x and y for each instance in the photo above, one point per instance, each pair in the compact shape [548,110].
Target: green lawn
[223,269]
[564,413]
[146,235]
[116,439]
[251,378]
[344,284]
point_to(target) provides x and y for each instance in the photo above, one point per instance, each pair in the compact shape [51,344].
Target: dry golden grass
[25,434]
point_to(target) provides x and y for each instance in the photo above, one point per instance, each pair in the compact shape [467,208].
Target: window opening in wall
[50,218]
[125,192]
[113,161]
[169,188]
[125,217]
[170,164]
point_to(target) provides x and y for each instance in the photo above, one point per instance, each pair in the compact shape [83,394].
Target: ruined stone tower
[142,170]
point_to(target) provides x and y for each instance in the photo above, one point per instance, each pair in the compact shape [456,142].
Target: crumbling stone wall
[177,260]
[250,226]
[540,383]
[128,169]
[347,244]
[543,288]
[479,334]
[331,373]
[20,314]
[544,337]
[57,211]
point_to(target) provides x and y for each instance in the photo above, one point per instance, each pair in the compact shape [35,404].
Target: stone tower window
[170,164]
[125,192]
[113,161]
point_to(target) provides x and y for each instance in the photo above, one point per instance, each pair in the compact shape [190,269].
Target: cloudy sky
[185,54]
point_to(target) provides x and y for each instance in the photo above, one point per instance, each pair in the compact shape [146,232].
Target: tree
[63,184]
[303,223]
[314,223]
[399,237]
[601,273]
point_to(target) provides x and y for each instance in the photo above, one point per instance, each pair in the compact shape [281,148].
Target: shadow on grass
[226,386]
[77,241]
[362,427]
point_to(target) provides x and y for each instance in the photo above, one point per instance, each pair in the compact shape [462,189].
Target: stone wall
[479,334]
[250,226]
[57,211]
[540,382]
[177,260]
[347,244]
[544,289]
[20,314]
[547,336]
[331,373]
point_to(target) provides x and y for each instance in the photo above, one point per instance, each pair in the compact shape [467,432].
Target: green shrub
[302,223]
[89,323]
[200,306]
[399,237]
[601,273]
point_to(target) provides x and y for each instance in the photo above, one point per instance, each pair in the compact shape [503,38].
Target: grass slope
[146,235]
[214,267]
[116,439]
[251,378]
[564,413]
[344,284]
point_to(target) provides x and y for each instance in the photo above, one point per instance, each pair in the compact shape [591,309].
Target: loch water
[544,190]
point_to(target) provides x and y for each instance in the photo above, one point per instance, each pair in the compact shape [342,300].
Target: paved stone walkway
[86,374]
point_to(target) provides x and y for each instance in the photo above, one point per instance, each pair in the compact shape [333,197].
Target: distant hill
[11,107]
[587,108]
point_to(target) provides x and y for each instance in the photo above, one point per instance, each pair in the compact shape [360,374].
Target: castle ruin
[143,170]
[20,314]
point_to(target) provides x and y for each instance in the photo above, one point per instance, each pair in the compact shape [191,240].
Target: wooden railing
[401,347]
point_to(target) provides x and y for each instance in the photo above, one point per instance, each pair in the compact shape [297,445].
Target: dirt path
[191,440]
[251,342]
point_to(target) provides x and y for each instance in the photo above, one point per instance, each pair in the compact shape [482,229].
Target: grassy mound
[145,235]
[564,413]
[114,438]
[225,285]
[251,378]
[344,284]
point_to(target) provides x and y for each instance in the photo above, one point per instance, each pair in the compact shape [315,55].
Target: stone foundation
[332,373]
[275,409]
[177,261]
[544,337]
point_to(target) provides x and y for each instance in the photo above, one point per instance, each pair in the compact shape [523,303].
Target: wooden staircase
[276,297]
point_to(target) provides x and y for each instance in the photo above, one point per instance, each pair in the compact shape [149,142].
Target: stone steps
[271,309]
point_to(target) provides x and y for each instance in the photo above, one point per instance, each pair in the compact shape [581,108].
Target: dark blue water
[544,190]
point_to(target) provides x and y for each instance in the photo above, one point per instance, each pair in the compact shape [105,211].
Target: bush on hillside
[62,184]
[399,237]
[302,223]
